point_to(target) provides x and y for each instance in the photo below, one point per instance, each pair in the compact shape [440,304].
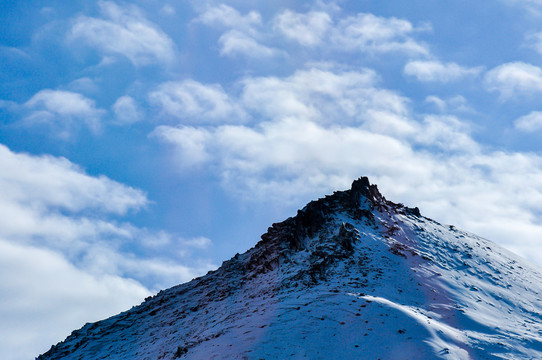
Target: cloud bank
[70,257]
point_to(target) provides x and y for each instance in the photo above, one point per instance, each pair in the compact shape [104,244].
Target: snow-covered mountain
[351,276]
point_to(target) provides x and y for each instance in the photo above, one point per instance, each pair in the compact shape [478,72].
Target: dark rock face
[348,235]
[360,201]
[362,189]
[297,233]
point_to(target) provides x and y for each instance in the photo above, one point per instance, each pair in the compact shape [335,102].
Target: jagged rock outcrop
[353,276]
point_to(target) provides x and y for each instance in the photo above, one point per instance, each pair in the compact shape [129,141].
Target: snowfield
[352,276]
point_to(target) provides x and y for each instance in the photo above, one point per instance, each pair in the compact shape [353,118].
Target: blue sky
[143,143]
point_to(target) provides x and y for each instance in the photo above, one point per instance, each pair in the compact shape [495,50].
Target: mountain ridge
[351,269]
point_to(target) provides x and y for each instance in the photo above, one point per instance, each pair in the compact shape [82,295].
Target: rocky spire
[363,189]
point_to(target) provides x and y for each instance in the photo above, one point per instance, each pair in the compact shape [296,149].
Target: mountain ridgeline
[351,276]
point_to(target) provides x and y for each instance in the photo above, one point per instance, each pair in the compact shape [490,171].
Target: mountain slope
[352,275]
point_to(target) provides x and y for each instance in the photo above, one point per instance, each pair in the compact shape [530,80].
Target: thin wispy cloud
[435,71]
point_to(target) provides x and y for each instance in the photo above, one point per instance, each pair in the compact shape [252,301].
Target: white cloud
[50,182]
[49,297]
[456,103]
[50,202]
[375,34]
[287,158]
[529,123]
[247,34]
[60,233]
[363,32]
[235,42]
[195,102]
[515,78]
[447,133]
[84,85]
[124,31]
[307,29]
[243,32]
[532,6]
[157,272]
[168,10]
[438,72]
[224,15]
[63,111]
[534,41]
[126,110]
[321,95]
[439,103]
[314,122]
[191,143]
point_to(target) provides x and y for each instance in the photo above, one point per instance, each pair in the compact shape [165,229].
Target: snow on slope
[352,276]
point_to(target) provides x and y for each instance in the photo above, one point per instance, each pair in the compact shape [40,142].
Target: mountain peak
[352,269]
[359,202]
[363,188]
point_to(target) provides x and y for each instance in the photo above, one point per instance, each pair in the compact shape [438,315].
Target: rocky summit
[351,276]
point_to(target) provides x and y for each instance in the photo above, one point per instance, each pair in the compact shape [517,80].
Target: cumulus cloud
[436,71]
[48,290]
[283,160]
[75,261]
[191,143]
[235,42]
[321,95]
[243,34]
[195,102]
[50,182]
[124,31]
[515,78]
[48,201]
[63,111]
[307,29]
[446,133]
[247,34]
[314,121]
[529,123]
[224,15]
[375,34]
[364,32]
[289,159]
[126,110]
